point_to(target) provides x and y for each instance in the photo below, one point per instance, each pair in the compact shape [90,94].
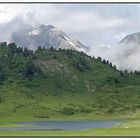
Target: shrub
[85,110]
[67,111]
[31,70]
[2,99]
[81,65]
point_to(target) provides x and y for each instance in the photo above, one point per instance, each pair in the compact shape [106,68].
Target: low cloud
[97,26]
[124,56]
[83,22]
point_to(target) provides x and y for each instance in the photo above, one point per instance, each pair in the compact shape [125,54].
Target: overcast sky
[99,26]
[92,24]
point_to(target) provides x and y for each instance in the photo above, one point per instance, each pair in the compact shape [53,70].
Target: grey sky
[92,24]
[95,25]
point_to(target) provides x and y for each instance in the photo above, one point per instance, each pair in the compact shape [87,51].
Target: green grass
[64,84]
[91,132]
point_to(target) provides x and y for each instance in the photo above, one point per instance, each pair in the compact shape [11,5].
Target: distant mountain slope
[132,38]
[124,54]
[46,36]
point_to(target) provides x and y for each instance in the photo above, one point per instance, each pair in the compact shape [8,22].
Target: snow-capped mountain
[126,54]
[46,36]
[130,44]
[132,38]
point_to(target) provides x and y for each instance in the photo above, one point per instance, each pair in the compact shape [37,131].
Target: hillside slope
[63,82]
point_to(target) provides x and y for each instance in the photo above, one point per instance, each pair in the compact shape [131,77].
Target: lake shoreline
[117,130]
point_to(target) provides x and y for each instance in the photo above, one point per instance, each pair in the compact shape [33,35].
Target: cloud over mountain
[97,26]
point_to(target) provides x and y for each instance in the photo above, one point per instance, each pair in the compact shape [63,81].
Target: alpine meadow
[53,85]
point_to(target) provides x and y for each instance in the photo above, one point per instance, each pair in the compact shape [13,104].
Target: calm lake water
[65,125]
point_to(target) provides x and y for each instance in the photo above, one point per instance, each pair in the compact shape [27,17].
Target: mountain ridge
[46,36]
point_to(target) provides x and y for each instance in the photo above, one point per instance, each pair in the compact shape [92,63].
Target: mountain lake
[64,125]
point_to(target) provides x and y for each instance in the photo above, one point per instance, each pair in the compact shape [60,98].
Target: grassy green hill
[60,83]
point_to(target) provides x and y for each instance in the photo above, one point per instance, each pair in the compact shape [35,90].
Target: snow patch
[34,32]
[69,41]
